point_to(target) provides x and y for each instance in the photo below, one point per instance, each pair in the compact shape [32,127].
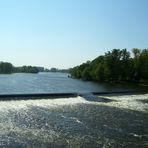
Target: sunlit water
[53,83]
[75,122]
[70,122]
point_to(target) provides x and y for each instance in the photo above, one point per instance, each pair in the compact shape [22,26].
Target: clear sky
[66,33]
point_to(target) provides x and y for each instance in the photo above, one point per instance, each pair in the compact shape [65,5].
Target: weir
[86,95]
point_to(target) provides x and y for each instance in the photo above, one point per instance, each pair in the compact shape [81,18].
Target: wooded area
[8,68]
[116,65]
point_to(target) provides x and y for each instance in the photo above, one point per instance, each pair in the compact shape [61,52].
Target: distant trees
[115,65]
[6,68]
[53,69]
[27,69]
[58,70]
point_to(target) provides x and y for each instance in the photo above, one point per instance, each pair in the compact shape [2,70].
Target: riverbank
[75,122]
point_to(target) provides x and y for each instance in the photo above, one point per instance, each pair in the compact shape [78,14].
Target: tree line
[53,69]
[116,65]
[8,68]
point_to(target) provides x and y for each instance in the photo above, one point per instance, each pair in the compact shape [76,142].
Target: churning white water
[74,122]
[133,102]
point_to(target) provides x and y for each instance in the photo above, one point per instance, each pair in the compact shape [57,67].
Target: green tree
[136,63]
[100,72]
[143,66]
[112,65]
[6,68]
[125,65]
[86,74]
[115,65]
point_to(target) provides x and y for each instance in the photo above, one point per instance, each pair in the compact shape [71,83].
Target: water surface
[75,123]
[53,83]
[70,122]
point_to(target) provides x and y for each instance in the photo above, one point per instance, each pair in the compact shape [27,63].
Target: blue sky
[66,33]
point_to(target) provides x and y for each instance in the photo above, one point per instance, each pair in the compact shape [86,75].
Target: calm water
[52,83]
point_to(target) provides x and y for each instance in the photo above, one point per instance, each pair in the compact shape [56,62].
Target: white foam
[23,104]
[133,102]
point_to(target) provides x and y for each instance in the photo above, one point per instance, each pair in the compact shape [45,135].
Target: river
[73,122]
[19,83]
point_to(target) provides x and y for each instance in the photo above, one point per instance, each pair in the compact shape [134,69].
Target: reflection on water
[53,83]
[74,122]
[70,122]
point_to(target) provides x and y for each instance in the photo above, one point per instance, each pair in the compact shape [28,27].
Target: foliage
[27,69]
[115,65]
[8,68]
[53,69]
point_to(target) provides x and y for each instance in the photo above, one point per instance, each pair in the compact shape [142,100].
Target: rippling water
[53,83]
[70,122]
[74,122]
